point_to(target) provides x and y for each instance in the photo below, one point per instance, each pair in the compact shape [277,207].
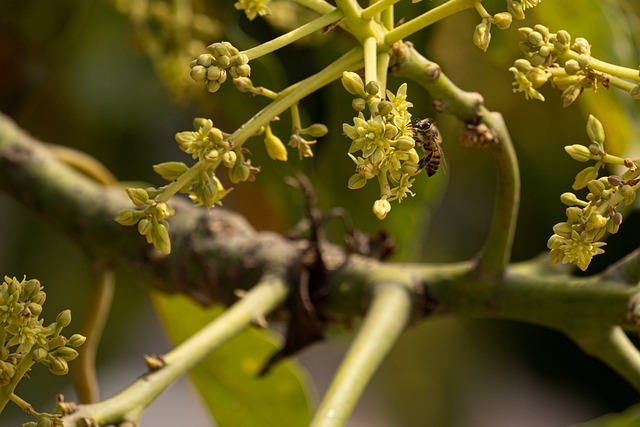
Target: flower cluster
[567,64]
[221,59]
[384,140]
[577,240]
[25,340]
[515,10]
[212,148]
[253,8]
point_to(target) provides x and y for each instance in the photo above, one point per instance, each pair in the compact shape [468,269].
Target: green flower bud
[570,199]
[535,38]
[545,51]
[76,340]
[410,168]
[628,193]
[571,67]
[482,35]
[138,196]
[213,86]
[144,226]
[274,145]
[128,217]
[570,94]
[64,318]
[563,37]
[582,46]
[244,84]
[164,211]
[229,159]
[356,181]
[502,20]
[170,170]
[199,74]
[522,65]
[537,77]
[39,354]
[213,73]
[536,60]
[239,172]
[223,61]
[204,60]
[372,88]
[353,83]
[578,152]
[544,31]
[595,130]
[384,108]
[381,208]
[563,229]
[58,366]
[316,130]
[574,214]
[515,9]
[584,177]
[405,143]
[583,61]
[359,104]
[66,353]
[30,288]
[34,309]
[160,236]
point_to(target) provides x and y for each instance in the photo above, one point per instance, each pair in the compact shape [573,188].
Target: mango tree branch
[268,294]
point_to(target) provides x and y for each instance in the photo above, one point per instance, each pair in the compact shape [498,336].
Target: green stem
[310,27]
[386,319]
[23,367]
[294,93]
[613,347]
[496,252]
[376,8]
[84,370]
[319,6]
[370,48]
[607,68]
[128,404]
[434,15]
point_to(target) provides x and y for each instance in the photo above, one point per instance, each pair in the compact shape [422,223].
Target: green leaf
[629,418]
[227,379]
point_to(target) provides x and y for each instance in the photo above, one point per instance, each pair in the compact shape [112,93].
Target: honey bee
[428,136]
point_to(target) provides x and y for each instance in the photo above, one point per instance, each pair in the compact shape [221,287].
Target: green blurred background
[74,73]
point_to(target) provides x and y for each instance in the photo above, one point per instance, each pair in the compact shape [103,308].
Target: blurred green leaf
[227,379]
[629,418]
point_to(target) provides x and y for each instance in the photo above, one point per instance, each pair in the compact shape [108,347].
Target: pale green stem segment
[613,347]
[294,35]
[607,68]
[351,60]
[129,404]
[84,367]
[370,47]
[496,253]
[430,17]
[319,6]
[385,321]
[377,7]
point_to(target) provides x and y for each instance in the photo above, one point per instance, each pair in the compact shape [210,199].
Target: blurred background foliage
[75,73]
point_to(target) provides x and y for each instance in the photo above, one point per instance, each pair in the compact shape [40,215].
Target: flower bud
[353,83]
[275,147]
[160,236]
[138,196]
[502,20]
[359,104]
[356,181]
[515,9]
[64,318]
[571,67]
[229,159]
[198,74]
[316,130]
[570,199]
[170,170]
[537,77]
[405,143]
[596,187]
[204,60]
[372,88]
[65,353]
[582,46]
[578,152]
[583,61]
[482,35]
[76,340]
[584,177]
[574,214]
[595,130]
[239,172]
[381,208]
[563,229]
